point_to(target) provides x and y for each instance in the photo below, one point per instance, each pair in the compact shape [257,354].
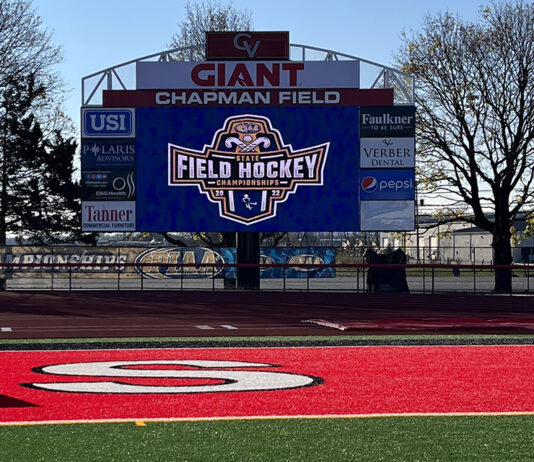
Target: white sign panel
[250,74]
[387,153]
[387,215]
[108,216]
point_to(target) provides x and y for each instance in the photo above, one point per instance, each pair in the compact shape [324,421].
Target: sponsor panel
[108,216]
[108,185]
[241,74]
[387,215]
[382,184]
[103,154]
[394,121]
[108,123]
[387,153]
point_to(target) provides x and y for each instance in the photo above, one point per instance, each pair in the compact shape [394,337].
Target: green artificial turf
[305,340]
[482,438]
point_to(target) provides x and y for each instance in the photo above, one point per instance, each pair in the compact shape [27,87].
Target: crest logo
[247,169]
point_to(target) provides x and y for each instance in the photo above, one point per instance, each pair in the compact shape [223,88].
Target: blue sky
[97,34]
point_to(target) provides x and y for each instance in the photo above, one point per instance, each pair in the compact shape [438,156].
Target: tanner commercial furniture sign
[108,216]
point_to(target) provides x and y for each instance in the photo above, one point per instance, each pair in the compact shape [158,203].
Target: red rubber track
[180,313]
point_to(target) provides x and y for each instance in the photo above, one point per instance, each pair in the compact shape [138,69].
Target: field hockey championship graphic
[247,170]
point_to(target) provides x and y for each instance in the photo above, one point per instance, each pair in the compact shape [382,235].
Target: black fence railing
[421,278]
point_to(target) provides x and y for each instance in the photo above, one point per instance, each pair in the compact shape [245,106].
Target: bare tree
[208,16]
[39,200]
[475,128]
[24,44]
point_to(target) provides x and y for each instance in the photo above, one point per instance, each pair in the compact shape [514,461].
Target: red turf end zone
[340,381]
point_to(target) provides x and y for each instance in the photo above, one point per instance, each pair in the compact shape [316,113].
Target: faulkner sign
[255,144]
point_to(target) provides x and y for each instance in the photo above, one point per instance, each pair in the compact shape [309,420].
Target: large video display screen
[224,169]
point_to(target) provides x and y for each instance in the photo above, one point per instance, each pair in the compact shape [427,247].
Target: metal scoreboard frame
[263,136]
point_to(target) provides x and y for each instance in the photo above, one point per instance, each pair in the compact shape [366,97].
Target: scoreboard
[248,146]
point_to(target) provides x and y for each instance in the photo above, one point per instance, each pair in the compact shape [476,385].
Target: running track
[84,314]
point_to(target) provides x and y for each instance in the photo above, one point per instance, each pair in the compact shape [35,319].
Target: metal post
[248,251]
[52,273]
[213,278]
[118,278]
[474,280]
[307,281]
[70,278]
[433,280]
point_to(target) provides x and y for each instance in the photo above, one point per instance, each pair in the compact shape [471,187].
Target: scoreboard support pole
[248,251]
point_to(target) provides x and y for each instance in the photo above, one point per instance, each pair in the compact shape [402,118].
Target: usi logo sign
[104,123]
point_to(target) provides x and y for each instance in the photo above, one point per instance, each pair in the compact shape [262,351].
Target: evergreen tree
[39,200]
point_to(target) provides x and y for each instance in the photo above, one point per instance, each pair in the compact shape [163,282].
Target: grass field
[399,438]
[485,438]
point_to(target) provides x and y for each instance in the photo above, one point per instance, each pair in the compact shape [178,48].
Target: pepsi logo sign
[388,184]
[369,184]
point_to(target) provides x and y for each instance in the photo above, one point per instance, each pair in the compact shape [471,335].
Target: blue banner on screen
[148,262]
[247,169]
[299,256]
[387,184]
[292,256]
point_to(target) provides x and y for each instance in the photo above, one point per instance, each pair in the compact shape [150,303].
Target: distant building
[456,242]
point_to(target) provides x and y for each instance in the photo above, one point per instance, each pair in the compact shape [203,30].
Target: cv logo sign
[247,169]
[241,43]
